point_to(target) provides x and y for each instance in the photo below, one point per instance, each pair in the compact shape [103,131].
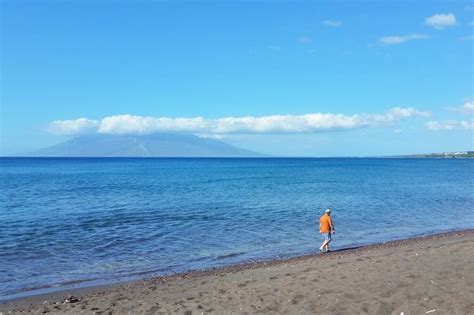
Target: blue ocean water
[70,222]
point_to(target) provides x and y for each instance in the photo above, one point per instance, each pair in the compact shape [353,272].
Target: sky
[319,78]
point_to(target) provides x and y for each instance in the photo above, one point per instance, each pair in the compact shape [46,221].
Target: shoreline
[87,293]
[76,285]
[211,270]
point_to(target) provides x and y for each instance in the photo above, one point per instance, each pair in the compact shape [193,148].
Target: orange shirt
[325,224]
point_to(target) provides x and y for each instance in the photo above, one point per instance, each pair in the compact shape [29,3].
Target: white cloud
[276,124]
[331,23]
[129,124]
[450,125]
[440,21]
[467,108]
[210,136]
[73,127]
[399,39]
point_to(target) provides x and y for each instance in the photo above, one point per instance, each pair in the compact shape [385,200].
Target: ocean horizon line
[414,155]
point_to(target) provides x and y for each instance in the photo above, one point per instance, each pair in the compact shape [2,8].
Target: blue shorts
[326,236]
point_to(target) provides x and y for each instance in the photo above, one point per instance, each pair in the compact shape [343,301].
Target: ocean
[68,222]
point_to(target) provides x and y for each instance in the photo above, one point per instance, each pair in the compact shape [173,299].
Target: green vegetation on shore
[460,154]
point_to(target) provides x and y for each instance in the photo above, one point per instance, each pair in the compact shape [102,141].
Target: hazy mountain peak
[153,145]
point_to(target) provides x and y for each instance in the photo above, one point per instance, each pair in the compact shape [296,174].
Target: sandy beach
[426,275]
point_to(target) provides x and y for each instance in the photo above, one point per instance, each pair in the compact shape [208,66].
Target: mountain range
[154,145]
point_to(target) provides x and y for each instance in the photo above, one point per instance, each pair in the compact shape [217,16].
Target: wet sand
[426,275]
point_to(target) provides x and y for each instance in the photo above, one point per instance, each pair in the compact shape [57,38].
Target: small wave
[103,247]
[231,255]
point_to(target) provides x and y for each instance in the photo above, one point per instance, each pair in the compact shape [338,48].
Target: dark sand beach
[425,275]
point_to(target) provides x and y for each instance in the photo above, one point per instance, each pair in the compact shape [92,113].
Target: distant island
[171,145]
[154,145]
[460,154]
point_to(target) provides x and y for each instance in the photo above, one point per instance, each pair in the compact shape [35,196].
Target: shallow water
[86,221]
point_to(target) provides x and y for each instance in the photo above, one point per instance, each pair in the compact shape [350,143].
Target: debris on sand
[71,299]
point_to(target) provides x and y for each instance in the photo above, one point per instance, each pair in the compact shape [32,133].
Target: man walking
[326,227]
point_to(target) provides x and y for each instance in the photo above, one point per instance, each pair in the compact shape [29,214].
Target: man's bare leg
[324,246]
[327,246]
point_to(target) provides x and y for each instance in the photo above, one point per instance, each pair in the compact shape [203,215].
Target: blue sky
[286,78]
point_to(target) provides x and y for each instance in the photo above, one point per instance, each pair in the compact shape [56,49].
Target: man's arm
[333,229]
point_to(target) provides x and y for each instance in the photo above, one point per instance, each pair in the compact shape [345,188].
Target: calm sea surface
[77,222]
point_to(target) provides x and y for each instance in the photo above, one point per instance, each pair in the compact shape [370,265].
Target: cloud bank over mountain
[274,124]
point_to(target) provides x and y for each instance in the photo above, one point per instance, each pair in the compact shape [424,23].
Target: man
[326,227]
